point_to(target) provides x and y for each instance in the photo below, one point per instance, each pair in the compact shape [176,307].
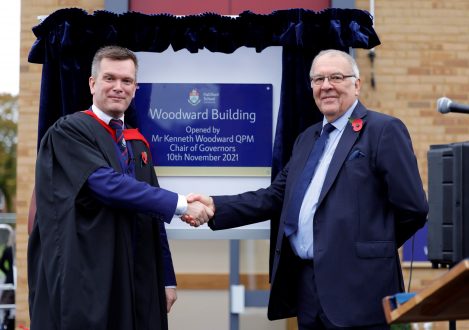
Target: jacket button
[277,251]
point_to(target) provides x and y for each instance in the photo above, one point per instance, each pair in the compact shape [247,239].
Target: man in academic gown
[95,257]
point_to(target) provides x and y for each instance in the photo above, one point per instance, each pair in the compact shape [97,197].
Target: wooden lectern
[445,299]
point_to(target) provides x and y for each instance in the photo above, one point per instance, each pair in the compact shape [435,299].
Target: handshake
[200,209]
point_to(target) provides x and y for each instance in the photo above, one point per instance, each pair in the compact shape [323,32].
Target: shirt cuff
[181,207]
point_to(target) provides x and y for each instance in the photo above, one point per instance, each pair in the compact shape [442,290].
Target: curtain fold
[73,28]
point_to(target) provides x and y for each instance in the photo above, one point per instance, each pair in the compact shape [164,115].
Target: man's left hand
[171,297]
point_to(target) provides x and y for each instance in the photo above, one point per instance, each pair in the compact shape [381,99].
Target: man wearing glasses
[349,197]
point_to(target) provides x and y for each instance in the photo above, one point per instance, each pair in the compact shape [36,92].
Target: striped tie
[117,125]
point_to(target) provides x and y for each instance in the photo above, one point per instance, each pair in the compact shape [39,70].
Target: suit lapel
[311,140]
[305,147]
[347,140]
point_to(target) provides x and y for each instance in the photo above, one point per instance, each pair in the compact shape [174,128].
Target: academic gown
[91,266]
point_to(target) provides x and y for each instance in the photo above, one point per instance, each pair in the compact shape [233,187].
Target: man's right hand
[204,209]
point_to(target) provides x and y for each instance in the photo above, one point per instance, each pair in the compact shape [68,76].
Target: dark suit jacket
[371,202]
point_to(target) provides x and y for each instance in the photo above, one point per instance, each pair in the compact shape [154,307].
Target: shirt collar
[103,116]
[342,121]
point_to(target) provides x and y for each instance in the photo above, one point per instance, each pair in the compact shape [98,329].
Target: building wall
[30,80]
[424,55]
[223,7]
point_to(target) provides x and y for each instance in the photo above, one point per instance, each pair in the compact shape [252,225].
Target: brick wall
[424,55]
[30,78]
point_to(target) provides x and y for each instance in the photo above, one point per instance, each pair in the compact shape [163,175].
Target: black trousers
[310,313]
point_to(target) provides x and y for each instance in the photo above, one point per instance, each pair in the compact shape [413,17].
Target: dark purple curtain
[68,38]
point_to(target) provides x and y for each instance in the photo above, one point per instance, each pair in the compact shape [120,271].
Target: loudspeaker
[448,198]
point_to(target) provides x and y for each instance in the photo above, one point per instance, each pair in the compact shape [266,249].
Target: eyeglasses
[335,78]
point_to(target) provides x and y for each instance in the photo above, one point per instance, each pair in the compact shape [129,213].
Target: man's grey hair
[335,52]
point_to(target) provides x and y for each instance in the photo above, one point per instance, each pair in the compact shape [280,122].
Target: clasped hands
[200,209]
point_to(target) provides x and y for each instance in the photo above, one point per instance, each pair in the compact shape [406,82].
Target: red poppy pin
[357,124]
[144,158]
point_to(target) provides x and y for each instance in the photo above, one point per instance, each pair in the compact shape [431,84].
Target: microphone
[445,105]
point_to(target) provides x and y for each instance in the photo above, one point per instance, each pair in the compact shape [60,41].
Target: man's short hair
[115,53]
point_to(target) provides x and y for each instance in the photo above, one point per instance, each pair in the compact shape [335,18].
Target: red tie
[117,125]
